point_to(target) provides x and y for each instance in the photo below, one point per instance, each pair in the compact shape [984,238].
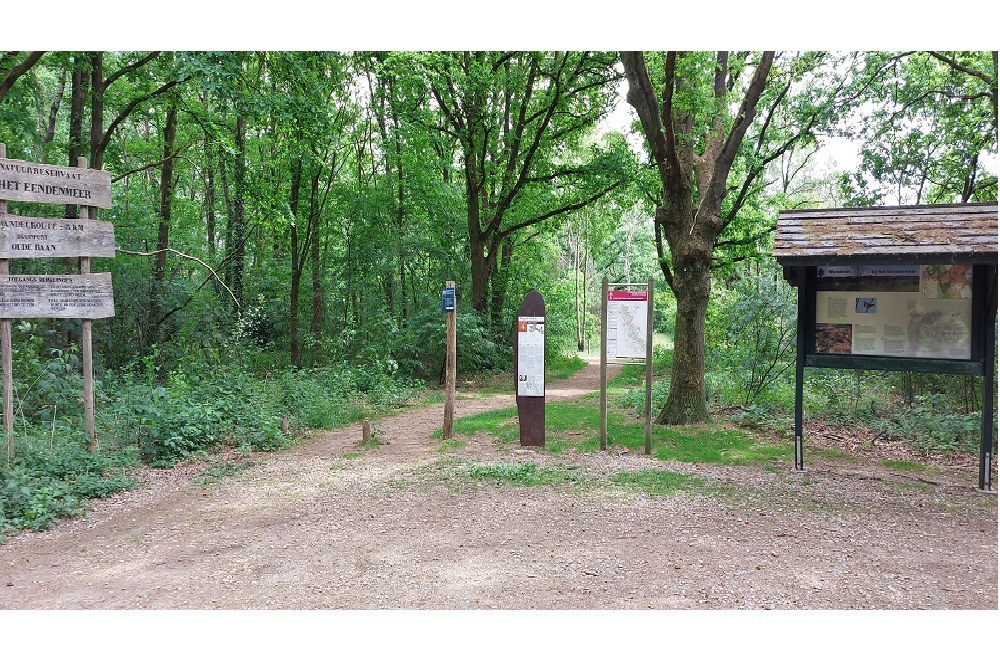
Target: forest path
[326,525]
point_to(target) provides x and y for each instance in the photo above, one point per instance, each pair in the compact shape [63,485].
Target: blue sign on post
[448,299]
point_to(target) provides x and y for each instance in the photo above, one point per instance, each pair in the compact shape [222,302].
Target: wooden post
[800,358]
[87,343]
[7,351]
[604,363]
[989,382]
[649,366]
[366,431]
[449,368]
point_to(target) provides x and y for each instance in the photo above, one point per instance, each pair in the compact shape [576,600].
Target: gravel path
[326,525]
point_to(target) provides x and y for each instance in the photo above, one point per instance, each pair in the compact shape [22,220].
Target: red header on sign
[626,296]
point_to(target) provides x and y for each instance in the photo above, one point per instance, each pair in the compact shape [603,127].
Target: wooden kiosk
[900,288]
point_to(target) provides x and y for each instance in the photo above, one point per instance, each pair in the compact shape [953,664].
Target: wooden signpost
[627,338]
[529,369]
[87,296]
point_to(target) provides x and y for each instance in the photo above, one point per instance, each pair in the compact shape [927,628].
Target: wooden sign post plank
[529,369]
[31,238]
[623,311]
[51,184]
[450,371]
[62,296]
[649,366]
[6,349]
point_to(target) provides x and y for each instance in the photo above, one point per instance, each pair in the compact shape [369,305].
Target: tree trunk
[163,231]
[96,109]
[293,297]
[316,322]
[237,225]
[209,199]
[687,402]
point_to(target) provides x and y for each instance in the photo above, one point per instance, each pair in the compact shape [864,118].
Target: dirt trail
[319,527]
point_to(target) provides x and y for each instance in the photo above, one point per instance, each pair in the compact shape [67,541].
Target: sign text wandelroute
[38,237]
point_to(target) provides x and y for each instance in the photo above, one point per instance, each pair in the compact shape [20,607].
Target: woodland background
[286,220]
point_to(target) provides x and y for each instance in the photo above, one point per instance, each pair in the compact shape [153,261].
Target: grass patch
[906,466]
[562,367]
[501,424]
[228,469]
[451,445]
[700,444]
[524,474]
[575,425]
[659,482]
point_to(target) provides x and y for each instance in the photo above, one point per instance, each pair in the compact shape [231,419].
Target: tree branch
[17,71]
[150,165]
[106,139]
[129,68]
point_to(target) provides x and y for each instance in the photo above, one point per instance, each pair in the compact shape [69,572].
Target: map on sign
[627,324]
[898,311]
[531,356]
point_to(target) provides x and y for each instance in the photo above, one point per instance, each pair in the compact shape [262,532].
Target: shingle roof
[924,234]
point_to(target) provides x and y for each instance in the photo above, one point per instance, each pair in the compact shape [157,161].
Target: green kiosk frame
[899,288]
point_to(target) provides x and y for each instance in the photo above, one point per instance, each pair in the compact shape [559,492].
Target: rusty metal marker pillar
[529,369]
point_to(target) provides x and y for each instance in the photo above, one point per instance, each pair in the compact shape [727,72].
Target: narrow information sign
[39,237]
[86,296]
[448,299]
[531,356]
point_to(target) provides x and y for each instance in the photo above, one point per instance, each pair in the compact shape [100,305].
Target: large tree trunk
[209,199]
[689,223]
[692,284]
[163,230]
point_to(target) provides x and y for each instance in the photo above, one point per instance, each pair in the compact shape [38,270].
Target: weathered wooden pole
[604,364]
[7,351]
[448,302]
[802,324]
[989,383]
[87,342]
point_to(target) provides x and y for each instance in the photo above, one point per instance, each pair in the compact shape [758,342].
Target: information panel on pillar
[627,324]
[531,356]
[923,312]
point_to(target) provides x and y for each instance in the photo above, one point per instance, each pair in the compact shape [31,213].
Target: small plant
[906,466]
[451,445]
[228,469]
[523,474]
[659,482]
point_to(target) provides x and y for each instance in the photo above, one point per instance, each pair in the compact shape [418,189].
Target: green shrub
[54,476]
[930,426]
[751,338]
